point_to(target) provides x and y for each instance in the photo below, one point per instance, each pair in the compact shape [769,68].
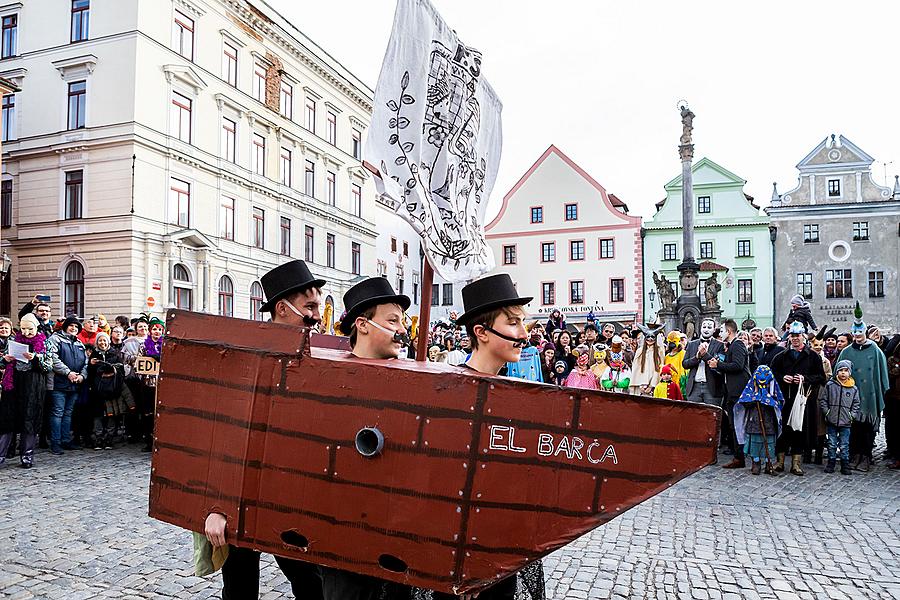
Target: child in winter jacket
[839,402]
[110,398]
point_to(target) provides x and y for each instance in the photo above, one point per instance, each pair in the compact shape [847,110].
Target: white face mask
[707,328]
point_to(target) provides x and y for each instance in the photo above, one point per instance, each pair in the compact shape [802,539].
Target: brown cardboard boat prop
[414,472]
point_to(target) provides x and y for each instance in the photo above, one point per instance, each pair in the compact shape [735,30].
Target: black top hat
[366,294]
[287,279]
[487,294]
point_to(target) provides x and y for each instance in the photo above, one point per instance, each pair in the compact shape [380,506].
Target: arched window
[182,287]
[256,301]
[226,297]
[74,289]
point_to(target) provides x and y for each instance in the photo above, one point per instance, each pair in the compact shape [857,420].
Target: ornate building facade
[731,240]
[838,238]
[169,153]
[568,243]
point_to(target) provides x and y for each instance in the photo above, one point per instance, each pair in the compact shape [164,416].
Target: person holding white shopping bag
[799,372]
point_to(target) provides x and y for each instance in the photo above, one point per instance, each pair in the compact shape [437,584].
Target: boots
[779,464]
[736,463]
[829,468]
[770,469]
[864,463]
[795,464]
[754,470]
[845,467]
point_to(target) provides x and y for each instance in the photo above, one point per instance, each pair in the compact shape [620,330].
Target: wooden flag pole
[425,304]
[425,310]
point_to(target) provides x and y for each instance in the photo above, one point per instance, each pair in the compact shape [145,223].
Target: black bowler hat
[366,294]
[487,294]
[287,279]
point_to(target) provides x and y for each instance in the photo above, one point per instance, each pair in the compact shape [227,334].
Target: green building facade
[732,240]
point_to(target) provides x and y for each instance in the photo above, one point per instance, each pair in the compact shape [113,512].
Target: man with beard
[734,365]
[703,384]
[374,324]
[797,366]
[767,351]
[294,298]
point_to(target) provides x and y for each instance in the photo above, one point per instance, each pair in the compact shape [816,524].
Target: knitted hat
[560,363]
[71,320]
[798,300]
[101,335]
[859,326]
[843,364]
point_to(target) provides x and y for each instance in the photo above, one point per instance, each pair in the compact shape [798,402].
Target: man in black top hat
[294,298]
[494,319]
[374,322]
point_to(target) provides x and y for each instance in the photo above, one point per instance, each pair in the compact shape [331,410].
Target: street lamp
[5,264]
[652,296]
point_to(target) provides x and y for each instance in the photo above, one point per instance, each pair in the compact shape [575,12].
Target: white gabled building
[567,242]
[168,153]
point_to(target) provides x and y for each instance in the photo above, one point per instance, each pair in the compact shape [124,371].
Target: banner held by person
[435,139]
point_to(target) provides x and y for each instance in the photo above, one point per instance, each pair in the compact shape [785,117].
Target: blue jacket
[68,355]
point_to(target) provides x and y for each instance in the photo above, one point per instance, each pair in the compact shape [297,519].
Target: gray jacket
[839,404]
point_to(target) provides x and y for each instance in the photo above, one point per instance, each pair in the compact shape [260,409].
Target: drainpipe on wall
[773,233]
[643,278]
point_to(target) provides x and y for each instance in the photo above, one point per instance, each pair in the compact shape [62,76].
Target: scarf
[151,348]
[35,346]
[847,384]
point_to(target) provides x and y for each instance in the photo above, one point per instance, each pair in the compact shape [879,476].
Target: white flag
[436,138]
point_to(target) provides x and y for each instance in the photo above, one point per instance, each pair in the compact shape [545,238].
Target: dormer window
[834,188]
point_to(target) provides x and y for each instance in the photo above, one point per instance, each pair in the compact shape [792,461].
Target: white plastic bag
[795,420]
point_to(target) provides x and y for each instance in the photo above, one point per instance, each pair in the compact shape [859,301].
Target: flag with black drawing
[435,138]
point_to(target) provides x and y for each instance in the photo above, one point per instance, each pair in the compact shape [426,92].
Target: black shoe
[27,465]
[54,449]
[71,446]
[845,467]
[829,468]
[107,447]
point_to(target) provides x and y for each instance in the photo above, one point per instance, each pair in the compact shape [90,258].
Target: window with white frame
[259,227]
[356,200]
[745,291]
[285,167]
[329,250]
[180,203]
[259,82]
[226,296]
[256,301]
[73,289]
[183,35]
[876,284]
[81,15]
[10,24]
[548,251]
[226,218]
[287,100]
[608,248]
[509,254]
[576,249]
[706,250]
[181,284]
[670,251]
[331,128]
[74,198]
[309,179]
[230,63]
[355,258]
[331,188]
[617,290]
[181,117]
[9,117]
[357,144]
[704,205]
[259,154]
[229,140]
[860,231]
[743,248]
[576,292]
[309,244]
[810,233]
[77,104]
[310,121]
[805,285]
[548,293]
[838,283]
[286,236]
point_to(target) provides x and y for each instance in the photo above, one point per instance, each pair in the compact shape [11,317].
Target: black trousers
[344,585]
[240,576]
[505,589]
[790,441]
[736,448]
[862,439]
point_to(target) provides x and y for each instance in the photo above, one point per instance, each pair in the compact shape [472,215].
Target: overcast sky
[601,79]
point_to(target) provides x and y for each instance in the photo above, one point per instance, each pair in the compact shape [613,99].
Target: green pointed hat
[859,325]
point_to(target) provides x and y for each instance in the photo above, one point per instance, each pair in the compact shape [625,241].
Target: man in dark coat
[735,367]
[703,384]
[796,366]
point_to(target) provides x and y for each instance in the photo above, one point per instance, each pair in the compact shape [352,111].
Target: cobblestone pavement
[76,527]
